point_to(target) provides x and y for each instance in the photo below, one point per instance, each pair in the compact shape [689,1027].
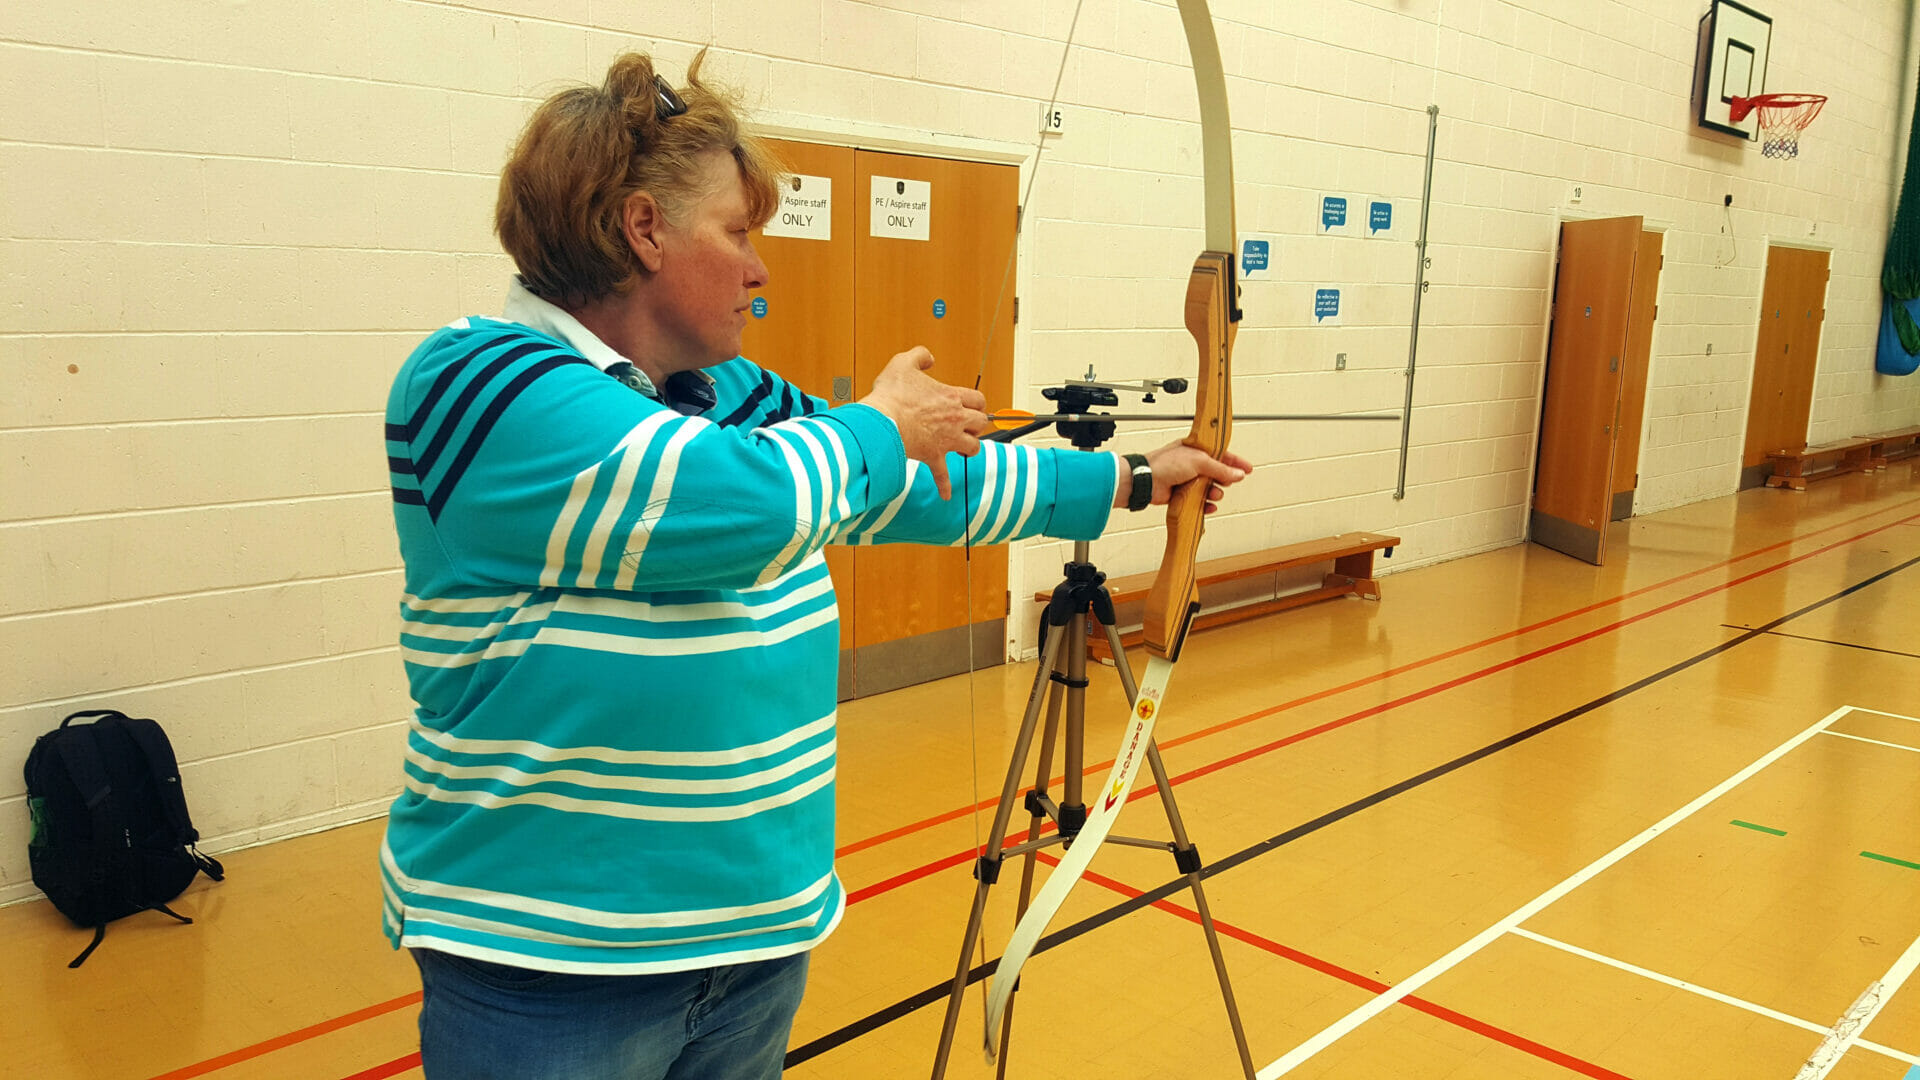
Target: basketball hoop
[1782,118]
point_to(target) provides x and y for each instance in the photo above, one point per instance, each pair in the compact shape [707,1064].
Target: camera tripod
[1061,683]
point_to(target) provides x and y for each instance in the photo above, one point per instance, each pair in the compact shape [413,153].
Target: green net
[1900,276]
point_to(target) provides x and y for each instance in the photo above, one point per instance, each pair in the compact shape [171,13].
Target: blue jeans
[485,1021]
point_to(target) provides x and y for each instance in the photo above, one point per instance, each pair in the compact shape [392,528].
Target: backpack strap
[102,713]
[153,743]
[146,734]
[99,932]
[79,754]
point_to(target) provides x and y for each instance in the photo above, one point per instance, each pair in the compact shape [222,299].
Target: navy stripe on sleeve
[451,423]
[443,489]
[752,402]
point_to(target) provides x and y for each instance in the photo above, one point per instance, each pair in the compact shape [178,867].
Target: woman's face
[708,271]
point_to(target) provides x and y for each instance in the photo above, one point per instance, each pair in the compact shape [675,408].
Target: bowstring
[966,474]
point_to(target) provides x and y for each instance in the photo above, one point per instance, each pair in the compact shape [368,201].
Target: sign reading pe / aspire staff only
[806,209]
[901,209]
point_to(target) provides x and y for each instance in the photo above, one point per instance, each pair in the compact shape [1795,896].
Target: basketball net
[1782,118]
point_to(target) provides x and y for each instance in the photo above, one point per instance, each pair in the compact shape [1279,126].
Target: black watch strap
[1142,495]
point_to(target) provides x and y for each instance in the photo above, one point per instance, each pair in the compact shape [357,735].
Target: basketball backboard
[1731,62]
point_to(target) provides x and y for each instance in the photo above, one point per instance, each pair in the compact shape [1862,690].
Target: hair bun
[629,91]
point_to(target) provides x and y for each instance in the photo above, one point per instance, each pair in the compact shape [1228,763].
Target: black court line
[941,990]
[1830,641]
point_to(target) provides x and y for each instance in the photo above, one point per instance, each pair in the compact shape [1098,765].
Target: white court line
[1382,1002]
[1715,995]
[1846,1033]
[1895,715]
[1876,742]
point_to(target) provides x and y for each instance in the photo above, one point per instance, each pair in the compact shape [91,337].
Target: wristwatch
[1142,495]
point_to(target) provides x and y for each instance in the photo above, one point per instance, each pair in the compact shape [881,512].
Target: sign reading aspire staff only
[806,209]
[902,209]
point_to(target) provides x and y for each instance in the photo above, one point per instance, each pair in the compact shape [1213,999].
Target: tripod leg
[1187,858]
[987,868]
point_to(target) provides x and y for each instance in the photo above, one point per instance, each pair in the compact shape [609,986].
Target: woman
[615,844]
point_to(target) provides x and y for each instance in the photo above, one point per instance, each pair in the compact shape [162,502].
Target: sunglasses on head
[666,102]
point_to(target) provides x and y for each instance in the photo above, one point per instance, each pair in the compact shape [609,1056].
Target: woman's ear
[641,222]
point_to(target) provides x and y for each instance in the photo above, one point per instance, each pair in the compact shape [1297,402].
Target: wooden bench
[1791,468]
[1894,445]
[1350,553]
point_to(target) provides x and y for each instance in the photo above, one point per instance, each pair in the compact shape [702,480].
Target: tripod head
[1079,397]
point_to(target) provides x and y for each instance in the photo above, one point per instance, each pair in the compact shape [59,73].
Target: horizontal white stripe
[475,634]
[551,909]
[611,808]
[448,605]
[639,967]
[494,650]
[637,611]
[600,781]
[650,611]
[597,641]
[527,933]
[735,755]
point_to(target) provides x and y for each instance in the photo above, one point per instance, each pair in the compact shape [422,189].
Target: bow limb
[1213,318]
[1212,315]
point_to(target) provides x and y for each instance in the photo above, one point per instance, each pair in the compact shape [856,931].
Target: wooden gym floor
[1524,818]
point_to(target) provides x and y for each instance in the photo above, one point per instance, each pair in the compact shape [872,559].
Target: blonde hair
[587,149]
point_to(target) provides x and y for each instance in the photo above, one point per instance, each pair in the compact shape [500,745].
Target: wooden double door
[1598,355]
[1792,310]
[839,302]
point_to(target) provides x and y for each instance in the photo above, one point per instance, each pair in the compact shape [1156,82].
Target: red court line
[915,874]
[392,1068]
[279,1042]
[1370,985]
[1090,770]
[1518,660]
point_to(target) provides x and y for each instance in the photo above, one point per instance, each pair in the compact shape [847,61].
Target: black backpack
[110,833]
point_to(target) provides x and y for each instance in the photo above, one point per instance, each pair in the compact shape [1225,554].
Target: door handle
[1613,364]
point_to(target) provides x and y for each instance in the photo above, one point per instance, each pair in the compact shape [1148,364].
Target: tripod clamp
[1079,397]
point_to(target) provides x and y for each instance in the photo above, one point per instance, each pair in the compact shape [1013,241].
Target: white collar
[529,310]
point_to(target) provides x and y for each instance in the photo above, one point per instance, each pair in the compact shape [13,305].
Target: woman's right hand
[934,419]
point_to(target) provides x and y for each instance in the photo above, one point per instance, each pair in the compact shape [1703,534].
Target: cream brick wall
[222,225]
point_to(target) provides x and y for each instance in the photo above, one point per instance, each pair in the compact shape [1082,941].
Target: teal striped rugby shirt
[622,644]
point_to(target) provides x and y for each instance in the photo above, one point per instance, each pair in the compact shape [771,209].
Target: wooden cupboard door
[802,321]
[941,292]
[1593,298]
[1633,390]
[1792,309]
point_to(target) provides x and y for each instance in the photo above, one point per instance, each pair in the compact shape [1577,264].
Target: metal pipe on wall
[1420,266]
